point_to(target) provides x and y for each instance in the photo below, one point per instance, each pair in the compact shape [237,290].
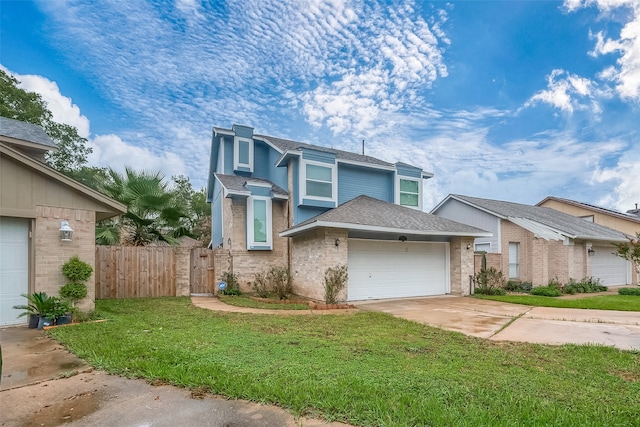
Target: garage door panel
[611,269]
[380,269]
[14,267]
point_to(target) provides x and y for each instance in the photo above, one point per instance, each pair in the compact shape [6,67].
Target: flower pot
[43,321]
[64,320]
[33,321]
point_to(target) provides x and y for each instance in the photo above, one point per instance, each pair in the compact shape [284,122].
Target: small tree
[77,272]
[631,251]
[490,281]
[335,280]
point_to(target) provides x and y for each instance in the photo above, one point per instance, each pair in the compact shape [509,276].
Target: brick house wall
[461,261]
[51,253]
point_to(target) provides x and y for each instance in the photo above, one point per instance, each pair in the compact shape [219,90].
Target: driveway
[45,385]
[512,322]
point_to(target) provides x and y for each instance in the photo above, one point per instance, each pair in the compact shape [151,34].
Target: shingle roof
[627,216]
[25,131]
[569,225]
[285,144]
[237,184]
[369,214]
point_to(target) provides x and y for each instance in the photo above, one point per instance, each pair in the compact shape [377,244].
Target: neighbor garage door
[609,268]
[389,269]
[14,267]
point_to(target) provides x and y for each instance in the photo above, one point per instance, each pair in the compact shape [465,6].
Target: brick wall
[312,253]
[461,264]
[51,253]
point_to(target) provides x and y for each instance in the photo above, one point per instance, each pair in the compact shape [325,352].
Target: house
[34,201]
[537,244]
[282,203]
[627,223]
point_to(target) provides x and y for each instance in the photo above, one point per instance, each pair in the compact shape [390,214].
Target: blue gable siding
[354,181]
[243,131]
[409,171]
[216,215]
[257,190]
[261,164]
[227,144]
[318,156]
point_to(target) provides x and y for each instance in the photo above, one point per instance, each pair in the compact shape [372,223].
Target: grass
[243,301]
[602,302]
[365,368]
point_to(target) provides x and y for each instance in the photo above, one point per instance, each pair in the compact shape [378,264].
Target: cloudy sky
[512,100]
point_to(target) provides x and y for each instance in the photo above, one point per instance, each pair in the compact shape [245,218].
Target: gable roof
[15,131]
[369,214]
[626,216]
[111,207]
[545,223]
[237,185]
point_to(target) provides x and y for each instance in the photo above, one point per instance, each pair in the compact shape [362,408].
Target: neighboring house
[34,200]
[537,244]
[627,223]
[290,204]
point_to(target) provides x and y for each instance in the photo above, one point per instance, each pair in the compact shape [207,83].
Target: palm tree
[152,210]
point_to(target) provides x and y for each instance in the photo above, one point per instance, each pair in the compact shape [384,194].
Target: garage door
[384,269]
[609,268]
[14,267]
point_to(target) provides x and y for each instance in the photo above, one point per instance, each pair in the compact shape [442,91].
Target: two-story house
[277,202]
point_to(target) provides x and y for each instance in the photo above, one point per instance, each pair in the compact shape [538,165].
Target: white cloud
[625,175]
[566,92]
[62,108]
[626,74]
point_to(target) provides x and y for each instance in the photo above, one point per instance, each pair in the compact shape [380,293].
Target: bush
[335,280]
[555,283]
[629,291]
[585,286]
[261,285]
[279,281]
[233,285]
[76,270]
[490,281]
[527,286]
[74,291]
[546,291]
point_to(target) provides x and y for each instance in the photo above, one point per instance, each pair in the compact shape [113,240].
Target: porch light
[337,242]
[591,252]
[66,232]
[402,238]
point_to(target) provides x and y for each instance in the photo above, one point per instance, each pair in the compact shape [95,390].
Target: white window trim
[303,181]
[236,153]
[408,178]
[250,232]
[515,264]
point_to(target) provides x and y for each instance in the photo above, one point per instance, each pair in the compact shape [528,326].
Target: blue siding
[318,156]
[259,191]
[354,181]
[261,163]
[409,171]
[303,213]
[318,203]
[227,142]
[216,215]
[277,175]
[243,131]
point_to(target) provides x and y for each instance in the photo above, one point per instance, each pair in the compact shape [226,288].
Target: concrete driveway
[512,322]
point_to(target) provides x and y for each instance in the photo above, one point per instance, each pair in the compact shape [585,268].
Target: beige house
[537,244]
[36,202]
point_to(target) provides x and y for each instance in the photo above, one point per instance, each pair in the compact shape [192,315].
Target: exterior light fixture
[337,242]
[402,238]
[66,232]
[468,246]
[591,252]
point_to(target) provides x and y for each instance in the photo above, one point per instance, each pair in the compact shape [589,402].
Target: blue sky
[512,100]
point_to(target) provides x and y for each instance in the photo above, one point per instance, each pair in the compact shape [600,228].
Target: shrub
[335,280]
[76,270]
[261,285]
[629,291]
[279,282]
[555,283]
[546,291]
[527,286]
[74,292]
[233,284]
[490,281]
[514,286]
[57,308]
[585,286]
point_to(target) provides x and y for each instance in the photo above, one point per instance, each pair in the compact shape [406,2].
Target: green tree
[197,210]
[153,211]
[19,104]
[631,251]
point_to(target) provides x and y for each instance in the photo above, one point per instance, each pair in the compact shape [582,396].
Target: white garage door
[609,268]
[384,269]
[14,268]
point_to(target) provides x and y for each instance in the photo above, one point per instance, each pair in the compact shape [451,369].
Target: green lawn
[603,302]
[365,368]
[244,301]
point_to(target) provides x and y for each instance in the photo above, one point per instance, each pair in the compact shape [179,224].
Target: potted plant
[37,304]
[57,313]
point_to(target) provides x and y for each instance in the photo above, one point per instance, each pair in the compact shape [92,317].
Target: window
[482,247]
[243,154]
[258,222]
[319,181]
[514,266]
[409,193]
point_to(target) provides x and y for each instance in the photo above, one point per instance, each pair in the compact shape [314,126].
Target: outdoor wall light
[468,246]
[337,242]
[591,252]
[402,238]
[66,232]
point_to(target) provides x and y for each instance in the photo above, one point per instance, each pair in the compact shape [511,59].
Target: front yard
[365,368]
[603,302]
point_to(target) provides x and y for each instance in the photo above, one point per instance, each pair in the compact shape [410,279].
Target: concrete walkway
[512,322]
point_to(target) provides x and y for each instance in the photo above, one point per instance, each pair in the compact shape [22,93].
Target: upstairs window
[409,193]
[243,154]
[319,181]
[259,223]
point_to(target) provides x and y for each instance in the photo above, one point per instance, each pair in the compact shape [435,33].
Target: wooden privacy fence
[152,271]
